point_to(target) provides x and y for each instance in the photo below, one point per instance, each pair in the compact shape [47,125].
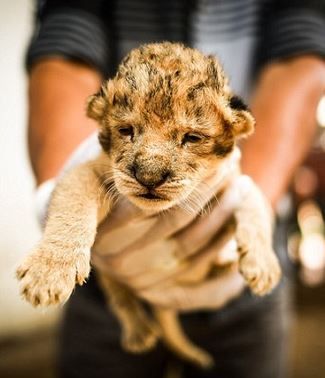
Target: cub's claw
[260,269]
[48,278]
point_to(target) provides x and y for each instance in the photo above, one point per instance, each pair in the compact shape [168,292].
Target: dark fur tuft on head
[237,103]
[243,122]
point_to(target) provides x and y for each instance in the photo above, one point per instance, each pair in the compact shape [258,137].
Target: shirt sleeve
[72,29]
[292,28]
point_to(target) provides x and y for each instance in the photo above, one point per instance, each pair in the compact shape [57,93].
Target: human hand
[166,266]
[183,294]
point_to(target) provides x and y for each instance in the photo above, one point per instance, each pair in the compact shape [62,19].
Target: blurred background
[27,336]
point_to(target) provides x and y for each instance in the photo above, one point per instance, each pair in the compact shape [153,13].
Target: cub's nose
[149,179]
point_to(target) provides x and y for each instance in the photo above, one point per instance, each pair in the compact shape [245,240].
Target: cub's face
[167,120]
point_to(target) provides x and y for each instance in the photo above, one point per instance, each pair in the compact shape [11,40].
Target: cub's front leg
[61,259]
[257,260]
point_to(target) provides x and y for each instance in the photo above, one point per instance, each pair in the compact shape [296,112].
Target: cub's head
[167,120]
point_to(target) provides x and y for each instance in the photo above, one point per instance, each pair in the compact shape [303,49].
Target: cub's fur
[167,120]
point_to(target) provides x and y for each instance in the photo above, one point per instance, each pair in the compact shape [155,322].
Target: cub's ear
[97,104]
[243,122]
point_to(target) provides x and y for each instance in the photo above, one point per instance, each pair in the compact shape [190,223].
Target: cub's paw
[141,337]
[260,269]
[48,277]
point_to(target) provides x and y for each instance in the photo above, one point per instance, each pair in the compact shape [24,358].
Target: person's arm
[65,65]
[290,57]
[58,90]
[284,104]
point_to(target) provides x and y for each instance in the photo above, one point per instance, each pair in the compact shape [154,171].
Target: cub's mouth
[151,196]
[151,199]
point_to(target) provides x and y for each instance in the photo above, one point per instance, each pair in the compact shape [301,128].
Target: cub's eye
[126,131]
[191,138]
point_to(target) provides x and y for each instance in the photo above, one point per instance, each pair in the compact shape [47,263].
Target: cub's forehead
[169,81]
[163,64]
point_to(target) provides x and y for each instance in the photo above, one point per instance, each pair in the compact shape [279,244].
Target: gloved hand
[164,259]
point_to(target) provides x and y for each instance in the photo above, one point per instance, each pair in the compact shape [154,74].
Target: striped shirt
[244,34]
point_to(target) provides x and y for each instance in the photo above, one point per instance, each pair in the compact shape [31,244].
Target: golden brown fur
[165,92]
[167,120]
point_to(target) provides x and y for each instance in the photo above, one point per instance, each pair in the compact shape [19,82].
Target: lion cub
[167,120]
